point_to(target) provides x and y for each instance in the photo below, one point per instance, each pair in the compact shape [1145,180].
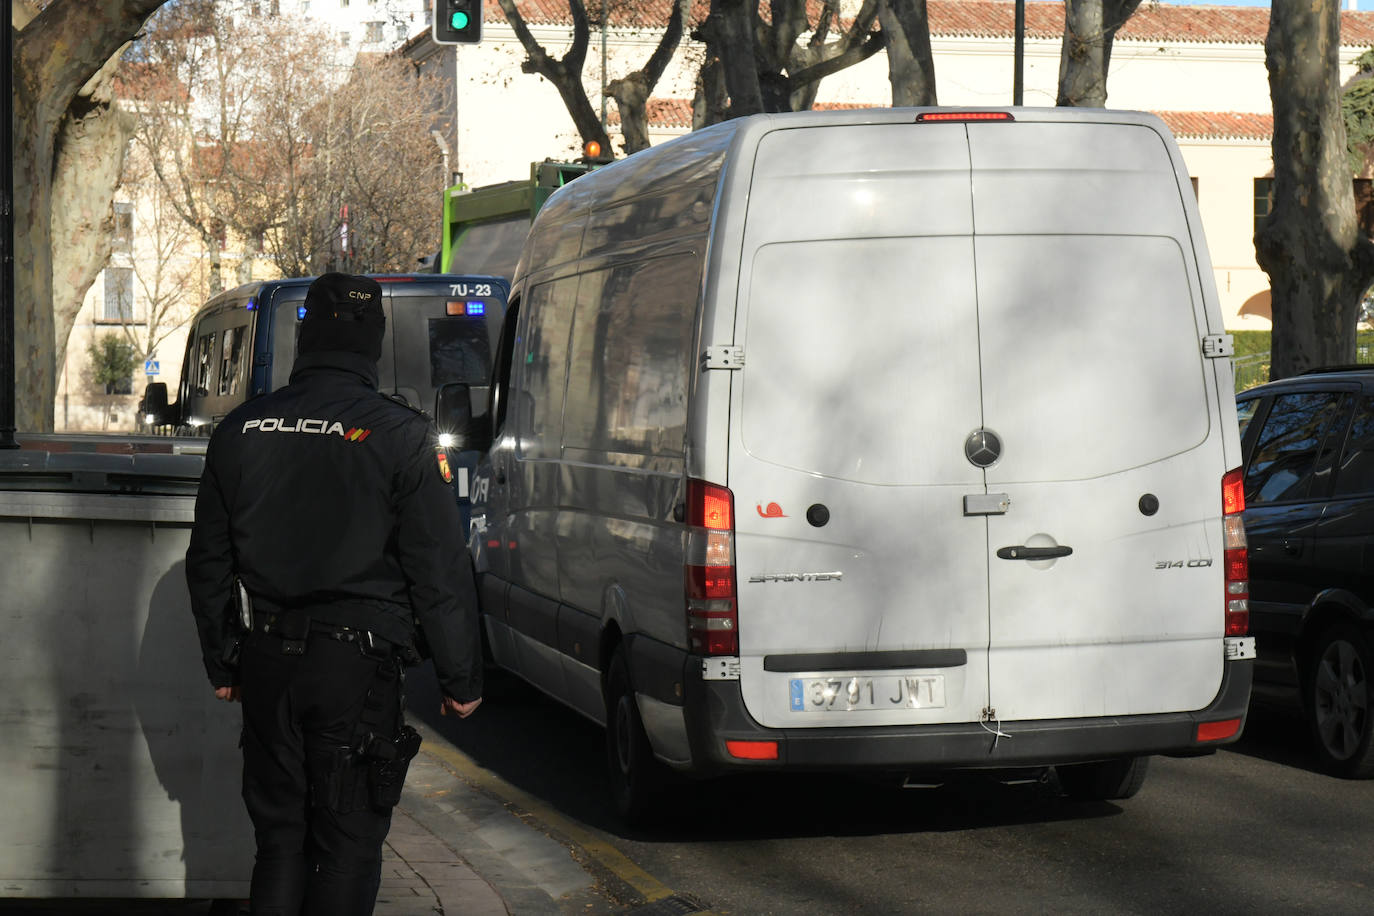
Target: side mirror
[458,428]
[154,407]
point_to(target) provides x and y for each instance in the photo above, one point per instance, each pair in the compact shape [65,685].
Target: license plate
[845,693]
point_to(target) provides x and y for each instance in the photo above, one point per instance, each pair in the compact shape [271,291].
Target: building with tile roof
[1201,68]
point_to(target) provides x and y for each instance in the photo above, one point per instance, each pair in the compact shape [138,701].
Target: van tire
[636,776]
[1104,780]
[1337,699]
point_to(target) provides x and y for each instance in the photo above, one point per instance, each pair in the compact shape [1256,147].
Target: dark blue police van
[441,330]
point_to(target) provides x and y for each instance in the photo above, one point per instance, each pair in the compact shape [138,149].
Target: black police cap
[344,297]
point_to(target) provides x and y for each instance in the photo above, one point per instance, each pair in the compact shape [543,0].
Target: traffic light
[457,22]
[593,155]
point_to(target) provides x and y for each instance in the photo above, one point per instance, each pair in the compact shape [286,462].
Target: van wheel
[1338,699]
[1104,780]
[636,775]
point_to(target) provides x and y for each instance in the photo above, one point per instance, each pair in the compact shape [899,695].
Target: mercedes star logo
[983,447]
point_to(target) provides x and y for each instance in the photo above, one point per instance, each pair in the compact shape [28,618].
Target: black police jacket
[328,497]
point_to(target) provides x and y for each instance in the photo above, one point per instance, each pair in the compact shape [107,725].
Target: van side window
[1286,454]
[1355,475]
[500,383]
[231,360]
[543,368]
[205,358]
[628,369]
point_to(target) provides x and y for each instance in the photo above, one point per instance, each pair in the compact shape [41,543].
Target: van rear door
[1093,381]
[963,343]
[858,316]
[440,330]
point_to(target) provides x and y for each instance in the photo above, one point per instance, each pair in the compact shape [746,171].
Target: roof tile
[996,19]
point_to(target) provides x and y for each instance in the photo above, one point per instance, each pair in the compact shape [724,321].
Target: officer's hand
[461,710]
[231,694]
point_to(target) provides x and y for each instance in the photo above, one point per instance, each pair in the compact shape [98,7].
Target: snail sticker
[772,511]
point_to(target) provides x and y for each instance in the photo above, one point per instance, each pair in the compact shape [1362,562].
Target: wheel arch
[1331,607]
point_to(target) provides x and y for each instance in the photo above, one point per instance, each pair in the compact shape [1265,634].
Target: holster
[389,760]
[372,770]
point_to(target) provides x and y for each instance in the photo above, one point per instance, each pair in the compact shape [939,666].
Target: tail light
[1237,562]
[712,618]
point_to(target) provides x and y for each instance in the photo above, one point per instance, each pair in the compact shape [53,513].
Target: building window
[374,32]
[1264,199]
[119,295]
[123,227]
[343,4]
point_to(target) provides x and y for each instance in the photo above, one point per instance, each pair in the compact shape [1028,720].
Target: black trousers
[319,841]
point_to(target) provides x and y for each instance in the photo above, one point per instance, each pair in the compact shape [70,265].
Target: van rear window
[459,351]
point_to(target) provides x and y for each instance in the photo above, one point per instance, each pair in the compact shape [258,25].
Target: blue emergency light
[300,313]
[477,308]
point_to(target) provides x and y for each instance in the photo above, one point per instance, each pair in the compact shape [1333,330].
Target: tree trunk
[1319,263]
[565,74]
[631,93]
[910,66]
[90,159]
[729,35]
[54,57]
[808,66]
[765,67]
[711,101]
[1089,28]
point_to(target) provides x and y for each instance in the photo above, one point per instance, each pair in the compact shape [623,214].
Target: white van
[893,440]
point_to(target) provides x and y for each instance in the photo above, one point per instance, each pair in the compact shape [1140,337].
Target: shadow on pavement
[1278,734]
[558,757]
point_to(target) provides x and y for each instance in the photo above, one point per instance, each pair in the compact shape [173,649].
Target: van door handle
[500,475]
[1021,552]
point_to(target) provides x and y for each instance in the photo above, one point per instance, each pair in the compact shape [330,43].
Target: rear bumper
[715,714]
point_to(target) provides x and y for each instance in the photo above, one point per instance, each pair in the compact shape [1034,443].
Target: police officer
[325,508]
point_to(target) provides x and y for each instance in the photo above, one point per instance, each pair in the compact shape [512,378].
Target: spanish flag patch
[444,471]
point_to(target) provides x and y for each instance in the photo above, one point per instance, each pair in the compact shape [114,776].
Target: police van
[441,330]
[893,440]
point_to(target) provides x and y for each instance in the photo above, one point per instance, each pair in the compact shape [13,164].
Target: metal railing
[1253,369]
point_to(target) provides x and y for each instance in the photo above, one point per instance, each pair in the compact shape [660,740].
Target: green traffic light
[459,20]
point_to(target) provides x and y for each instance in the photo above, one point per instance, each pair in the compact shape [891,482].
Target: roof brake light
[964,116]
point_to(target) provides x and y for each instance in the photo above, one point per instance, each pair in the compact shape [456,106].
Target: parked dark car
[1309,517]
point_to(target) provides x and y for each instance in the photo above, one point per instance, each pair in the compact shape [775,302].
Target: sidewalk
[455,850]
